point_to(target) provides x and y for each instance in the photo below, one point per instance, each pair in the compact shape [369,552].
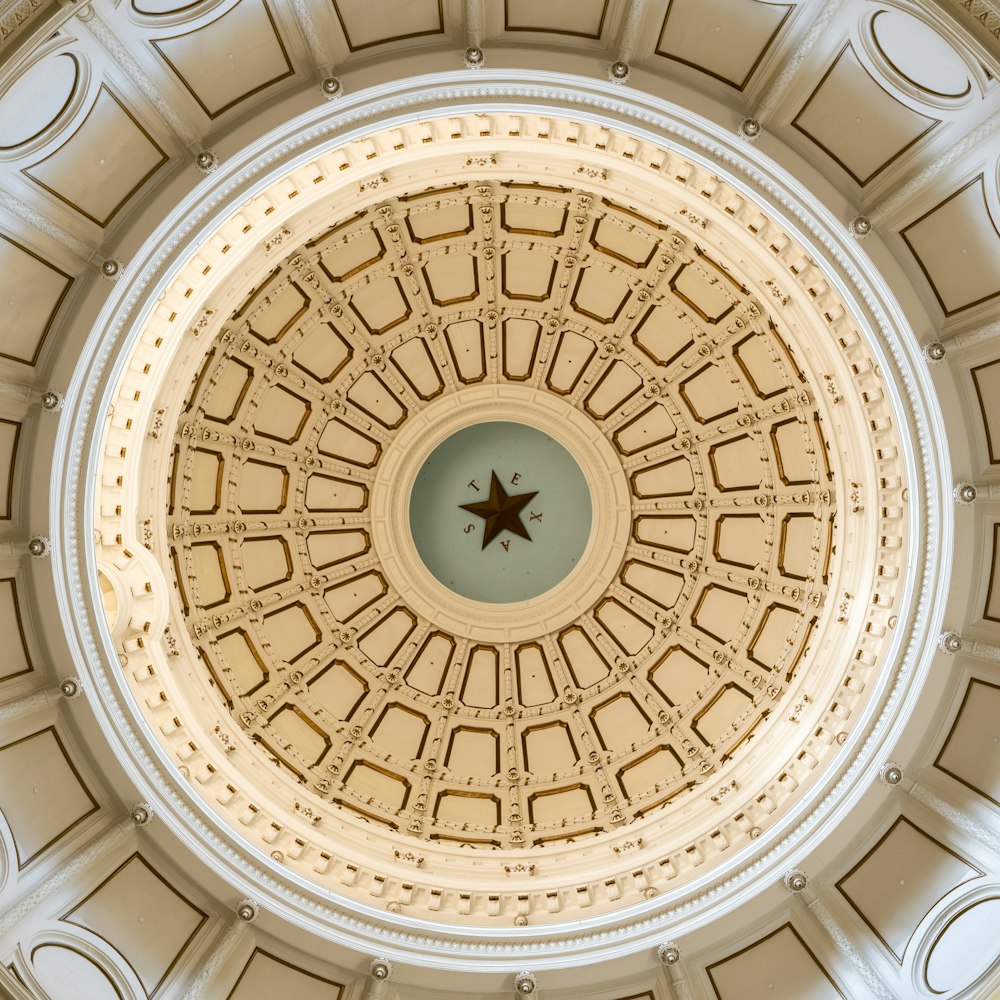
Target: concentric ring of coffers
[683,711]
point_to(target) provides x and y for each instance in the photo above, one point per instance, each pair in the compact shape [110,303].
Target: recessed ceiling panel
[248,56]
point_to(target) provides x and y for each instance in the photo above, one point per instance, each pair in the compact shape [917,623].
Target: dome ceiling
[500,515]
[666,694]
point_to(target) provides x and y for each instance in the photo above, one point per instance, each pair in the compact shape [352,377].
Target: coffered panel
[266,976]
[103,163]
[725,38]
[900,879]
[971,753]
[42,796]
[779,964]
[374,22]
[16,659]
[580,18]
[986,382]
[10,435]
[957,247]
[31,291]
[851,116]
[137,910]
[247,54]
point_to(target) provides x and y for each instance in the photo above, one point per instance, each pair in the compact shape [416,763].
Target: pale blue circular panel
[510,567]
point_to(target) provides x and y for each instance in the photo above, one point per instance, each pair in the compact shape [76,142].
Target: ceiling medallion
[633,727]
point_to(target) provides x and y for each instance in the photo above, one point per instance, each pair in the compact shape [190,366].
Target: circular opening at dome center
[500,512]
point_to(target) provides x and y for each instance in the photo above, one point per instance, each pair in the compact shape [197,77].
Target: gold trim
[555,361]
[355,579]
[617,256]
[993,574]
[701,600]
[526,732]
[398,610]
[315,727]
[604,320]
[597,385]
[224,362]
[405,375]
[513,296]
[357,269]
[472,380]
[722,518]
[220,468]
[548,792]
[534,351]
[283,501]
[473,729]
[265,674]
[289,569]
[690,303]
[220,555]
[344,458]
[336,479]
[345,666]
[297,433]
[400,778]
[317,631]
[496,675]
[336,371]
[435,634]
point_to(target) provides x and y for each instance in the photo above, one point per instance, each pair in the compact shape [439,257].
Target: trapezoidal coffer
[496,545]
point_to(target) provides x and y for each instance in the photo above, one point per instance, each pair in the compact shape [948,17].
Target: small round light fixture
[380,969]
[950,642]
[141,813]
[795,880]
[39,547]
[749,129]
[206,161]
[668,953]
[52,400]
[247,911]
[111,269]
[935,352]
[69,688]
[619,71]
[525,984]
[860,226]
[331,87]
[474,57]
[965,493]
[890,774]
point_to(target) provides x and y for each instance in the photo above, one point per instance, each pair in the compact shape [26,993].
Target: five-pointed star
[501,512]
